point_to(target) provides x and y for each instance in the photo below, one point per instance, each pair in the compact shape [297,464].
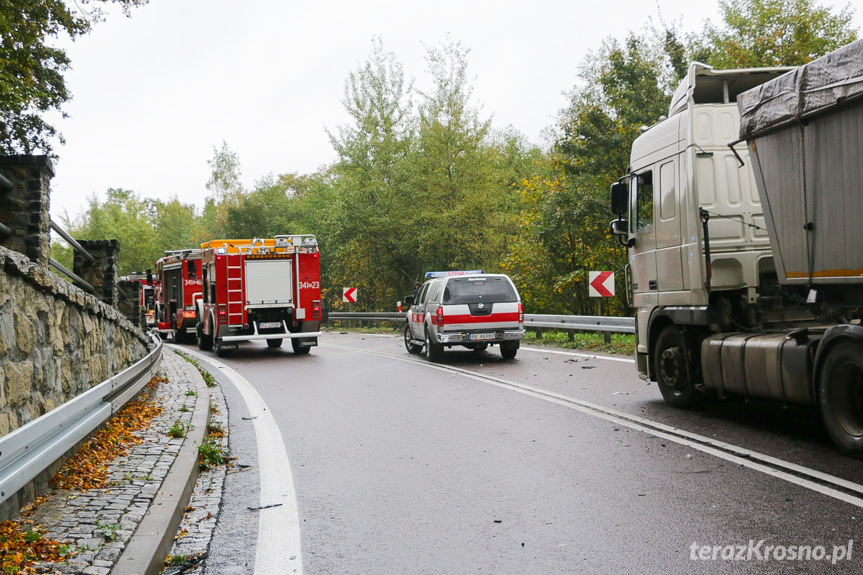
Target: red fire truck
[147,299]
[260,289]
[178,285]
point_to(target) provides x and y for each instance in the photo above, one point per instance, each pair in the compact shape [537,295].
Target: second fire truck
[178,285]
[260,289]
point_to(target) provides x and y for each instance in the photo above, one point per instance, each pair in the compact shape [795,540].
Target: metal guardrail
[542,321]
[30,449]
[76,279]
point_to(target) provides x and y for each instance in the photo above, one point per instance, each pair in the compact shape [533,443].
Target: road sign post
[601,285]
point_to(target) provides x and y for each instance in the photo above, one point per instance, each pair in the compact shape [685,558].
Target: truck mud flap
[306,341]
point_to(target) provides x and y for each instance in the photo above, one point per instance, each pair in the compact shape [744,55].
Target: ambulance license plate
[480,336]
[269,324]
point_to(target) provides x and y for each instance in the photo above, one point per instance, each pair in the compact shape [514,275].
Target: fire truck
[260,289]
[147,299]
[178,285]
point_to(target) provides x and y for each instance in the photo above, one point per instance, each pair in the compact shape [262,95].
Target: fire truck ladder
[235,290]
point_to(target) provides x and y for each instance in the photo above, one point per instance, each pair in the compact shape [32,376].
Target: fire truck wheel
[412,348]
[274,343]
[298,349]
[221,351]
[841,397]
[671,366]
[433,351]
[508,349]
[205,341]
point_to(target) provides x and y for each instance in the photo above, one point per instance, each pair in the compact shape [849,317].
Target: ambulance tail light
[439,316]
[316,309]
[520,313]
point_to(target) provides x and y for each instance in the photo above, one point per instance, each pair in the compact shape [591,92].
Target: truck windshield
[471,290]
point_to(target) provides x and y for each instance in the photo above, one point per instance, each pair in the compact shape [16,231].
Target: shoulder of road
[159,512]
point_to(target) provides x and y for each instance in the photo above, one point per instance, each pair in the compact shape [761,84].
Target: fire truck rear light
[316,309]
[439,316]
[223,310]
[520,313]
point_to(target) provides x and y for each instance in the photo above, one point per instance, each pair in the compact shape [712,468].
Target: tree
[31,71]
[564,232]
[226,189]
[774,33]
[465,222]
[370,240]
[127,218]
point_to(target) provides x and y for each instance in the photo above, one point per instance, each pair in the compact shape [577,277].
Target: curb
[146,550]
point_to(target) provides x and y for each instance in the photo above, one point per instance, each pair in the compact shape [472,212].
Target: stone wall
[56,342]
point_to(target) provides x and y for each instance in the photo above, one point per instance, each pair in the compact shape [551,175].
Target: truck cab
[690,215]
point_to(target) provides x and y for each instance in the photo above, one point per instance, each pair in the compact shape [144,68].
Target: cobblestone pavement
[98,523]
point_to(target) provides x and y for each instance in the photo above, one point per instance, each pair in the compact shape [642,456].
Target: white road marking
[574,354]
[279,548]
[792,473]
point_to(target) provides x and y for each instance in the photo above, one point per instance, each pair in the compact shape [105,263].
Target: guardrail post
[25,194]
[103,274]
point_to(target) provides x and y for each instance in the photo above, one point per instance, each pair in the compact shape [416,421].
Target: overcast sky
[154,94]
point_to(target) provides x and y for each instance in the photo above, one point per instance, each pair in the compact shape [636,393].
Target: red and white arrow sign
[601,284]
[349,295]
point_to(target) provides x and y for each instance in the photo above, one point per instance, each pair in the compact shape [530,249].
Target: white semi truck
[746,261]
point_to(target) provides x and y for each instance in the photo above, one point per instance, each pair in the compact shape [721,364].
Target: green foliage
[564,231]
[211,454]
[774,33]
[423,181]
[179,429]
[31,70]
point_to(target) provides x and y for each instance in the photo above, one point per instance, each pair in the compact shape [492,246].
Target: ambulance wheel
[412,348]
[433,351]
[274,343]
[508,349]
[300,350]
[205,341]
[841,397]
[671,366]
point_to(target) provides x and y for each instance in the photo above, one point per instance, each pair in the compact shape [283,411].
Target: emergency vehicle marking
[493,318]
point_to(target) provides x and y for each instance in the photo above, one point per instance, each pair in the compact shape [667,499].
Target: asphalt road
[551,463]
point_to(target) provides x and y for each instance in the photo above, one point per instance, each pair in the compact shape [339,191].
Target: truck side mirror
[409,300]
[619,229]
[619,199]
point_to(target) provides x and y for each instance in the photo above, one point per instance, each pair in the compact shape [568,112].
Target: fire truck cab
[178,287]
[260,289]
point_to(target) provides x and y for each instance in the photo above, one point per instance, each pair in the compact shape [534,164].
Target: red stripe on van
[493,318]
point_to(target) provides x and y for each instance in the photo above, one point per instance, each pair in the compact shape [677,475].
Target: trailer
[747,280]
[260,289]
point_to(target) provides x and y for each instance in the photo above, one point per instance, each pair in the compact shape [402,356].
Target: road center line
[279,547]
[814,480]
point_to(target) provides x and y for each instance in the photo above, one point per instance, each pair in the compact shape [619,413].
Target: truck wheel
[841,397]
[412,348]
[300,350]
[274,343]
[508,349]
[177,336]
[205,341]
[433,351]
[221,351]
[671,366]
